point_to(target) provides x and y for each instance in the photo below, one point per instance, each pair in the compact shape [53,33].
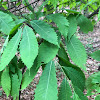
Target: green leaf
[20,64]
[19,73]
[96,55]
[18,23]
[61,21]
[18,3]
[12,68]
[26,3]
[63,57]
[47,87]
[62,53]
[93,84]
[65,92]
[72,25]
[10,50]
[47,52]
[11,14]
[88,3]
[64,62]
[41,7]
[97,97]
[54,2]
[45,31]
[6,81]
[71,11]
[59,37]
[77,52]
[13,65]
[12,0]
[76,97]
[84,23]
[6,23]
[29,75]
[14,61]
[28,47]
[4,45]
[76,76]
[15,86]
[80,93]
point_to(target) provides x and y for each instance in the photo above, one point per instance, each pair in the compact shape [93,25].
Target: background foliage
[38,35]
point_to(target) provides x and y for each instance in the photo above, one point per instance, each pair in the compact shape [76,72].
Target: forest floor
[91,41]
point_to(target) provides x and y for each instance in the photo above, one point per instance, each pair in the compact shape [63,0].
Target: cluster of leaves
[24,49]
[76,5]
[93,82]
[80,4]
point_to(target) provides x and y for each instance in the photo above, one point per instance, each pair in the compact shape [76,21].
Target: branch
[91,7]
[10,7]
[94,13]
[23,6]
[29,25]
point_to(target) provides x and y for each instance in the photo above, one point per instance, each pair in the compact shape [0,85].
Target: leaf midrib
[48,81]
[28,41]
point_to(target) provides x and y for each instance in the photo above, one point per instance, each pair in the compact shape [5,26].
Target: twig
[94,13]
[40,41]
[91,7]
[12,7]
[25,6]
[29,25]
